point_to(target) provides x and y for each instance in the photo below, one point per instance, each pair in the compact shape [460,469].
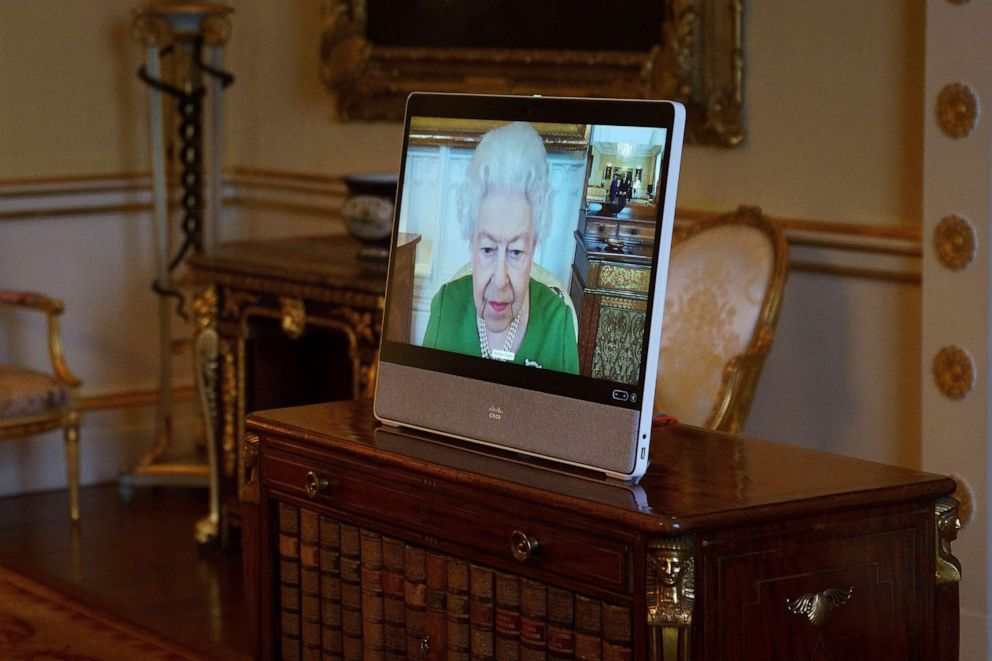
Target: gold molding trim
[130,399]
[372,81]
[954,241]
[904,277]
[957,110]
[254,185]
[953,372]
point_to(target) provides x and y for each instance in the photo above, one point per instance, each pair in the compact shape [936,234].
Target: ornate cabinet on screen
[363,541]
[611,276]
[297,321]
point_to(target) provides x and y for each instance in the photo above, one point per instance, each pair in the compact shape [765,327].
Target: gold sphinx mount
[671,585]
[671,594]
[948,524]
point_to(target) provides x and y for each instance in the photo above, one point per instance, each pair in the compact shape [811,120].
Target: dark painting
[575,25]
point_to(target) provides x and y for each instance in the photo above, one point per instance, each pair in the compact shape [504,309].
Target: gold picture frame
[698,60]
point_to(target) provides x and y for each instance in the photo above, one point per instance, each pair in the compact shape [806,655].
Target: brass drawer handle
[817,606]
[523,546]
[314,485]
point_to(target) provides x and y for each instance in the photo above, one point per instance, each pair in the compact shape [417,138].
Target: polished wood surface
[766,531]
[698,479]
[323,261]
[135,560]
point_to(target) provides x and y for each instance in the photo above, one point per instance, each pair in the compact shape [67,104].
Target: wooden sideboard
[366,542]
[297,320]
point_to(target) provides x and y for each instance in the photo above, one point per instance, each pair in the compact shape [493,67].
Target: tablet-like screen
[531,251]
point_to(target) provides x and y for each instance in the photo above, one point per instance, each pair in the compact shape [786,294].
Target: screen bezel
[655,114]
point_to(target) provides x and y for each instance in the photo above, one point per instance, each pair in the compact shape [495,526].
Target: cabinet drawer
[848,597]
[557,549]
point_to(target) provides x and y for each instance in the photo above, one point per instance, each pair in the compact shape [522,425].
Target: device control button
[620,395]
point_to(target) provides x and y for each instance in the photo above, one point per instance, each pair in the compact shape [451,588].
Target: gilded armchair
[725,284]
[32,402]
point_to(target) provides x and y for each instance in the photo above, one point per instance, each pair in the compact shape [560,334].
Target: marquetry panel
[834,593]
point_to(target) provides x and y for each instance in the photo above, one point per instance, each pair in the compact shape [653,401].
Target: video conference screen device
[541,230]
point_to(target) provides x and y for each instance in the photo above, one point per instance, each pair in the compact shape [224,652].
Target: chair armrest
[740,381]
[52,308]
[31,300]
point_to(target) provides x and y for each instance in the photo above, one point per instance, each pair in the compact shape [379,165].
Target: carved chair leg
[72,469]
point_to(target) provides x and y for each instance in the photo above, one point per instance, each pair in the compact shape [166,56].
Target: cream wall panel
[829,387]
[70,99]
[280,114]
[833,115]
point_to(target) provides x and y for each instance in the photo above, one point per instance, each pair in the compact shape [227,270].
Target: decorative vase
[368,212]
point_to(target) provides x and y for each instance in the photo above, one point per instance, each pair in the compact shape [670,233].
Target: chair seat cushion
[25,393]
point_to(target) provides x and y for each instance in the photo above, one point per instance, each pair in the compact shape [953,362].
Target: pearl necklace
[498,354]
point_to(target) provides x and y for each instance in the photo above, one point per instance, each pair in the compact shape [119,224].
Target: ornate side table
[365,541]
[283,322]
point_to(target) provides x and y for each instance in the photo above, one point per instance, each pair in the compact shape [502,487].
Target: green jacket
[549,341]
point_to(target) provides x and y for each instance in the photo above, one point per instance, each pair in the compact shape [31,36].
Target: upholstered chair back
[724,292]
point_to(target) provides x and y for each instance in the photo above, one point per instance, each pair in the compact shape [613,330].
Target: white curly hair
[509,158]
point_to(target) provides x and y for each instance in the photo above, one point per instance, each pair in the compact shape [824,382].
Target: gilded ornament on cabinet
[954,240]
[957,109]
[205,309]
[817,606]
[954,372]
[293,316]
[229,396]
[948,524]
[671,577]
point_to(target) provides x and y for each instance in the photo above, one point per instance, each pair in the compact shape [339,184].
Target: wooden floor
[137,560]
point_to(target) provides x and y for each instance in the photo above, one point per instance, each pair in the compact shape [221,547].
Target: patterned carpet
[37,624]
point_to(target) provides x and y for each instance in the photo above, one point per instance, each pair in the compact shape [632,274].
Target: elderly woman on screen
[499,311]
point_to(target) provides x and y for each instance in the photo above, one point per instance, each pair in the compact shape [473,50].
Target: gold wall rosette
[953,372]
[954,240]
[957,109]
